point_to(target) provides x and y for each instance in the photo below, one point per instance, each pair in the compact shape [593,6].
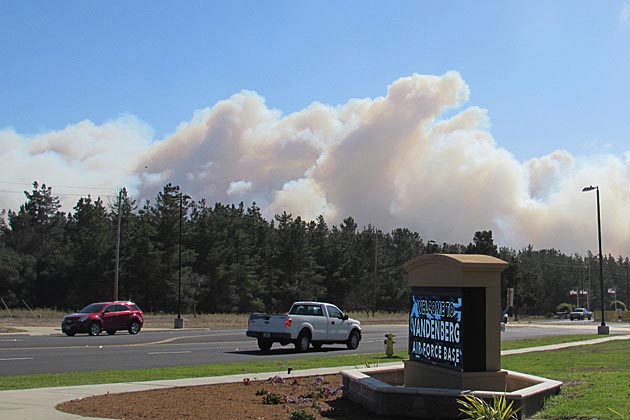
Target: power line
[61,194]
[59,186]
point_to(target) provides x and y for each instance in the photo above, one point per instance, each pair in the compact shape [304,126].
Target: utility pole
[118,244]
[179,283]
[588,292]
[375,268]
[179,321]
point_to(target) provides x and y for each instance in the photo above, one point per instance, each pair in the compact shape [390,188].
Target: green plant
[478,409]
[273,398]
[313,395]
[262,391]
[617,413]
[564,307]
[369,364]
[301,415]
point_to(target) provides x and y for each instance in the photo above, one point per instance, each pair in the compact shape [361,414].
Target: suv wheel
[95,328]
[134,327]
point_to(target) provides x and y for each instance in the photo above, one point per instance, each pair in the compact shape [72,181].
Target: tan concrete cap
[464,262]
[455,270]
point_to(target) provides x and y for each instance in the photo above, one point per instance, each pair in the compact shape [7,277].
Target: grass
[596,378]
[198,371]
[5,330]
[546,341]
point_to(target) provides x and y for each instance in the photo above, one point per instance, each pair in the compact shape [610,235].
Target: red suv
[104,316]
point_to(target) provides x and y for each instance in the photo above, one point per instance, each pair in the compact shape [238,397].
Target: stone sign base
[381,390]
[423,375]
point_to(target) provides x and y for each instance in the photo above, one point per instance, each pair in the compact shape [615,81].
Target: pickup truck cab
[580,313]
[306,323]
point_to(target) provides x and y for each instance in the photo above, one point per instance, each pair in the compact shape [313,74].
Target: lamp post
[603,328]
[179,321]
[118,245]
[627,281]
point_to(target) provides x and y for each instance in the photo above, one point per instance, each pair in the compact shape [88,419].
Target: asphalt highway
[23,355]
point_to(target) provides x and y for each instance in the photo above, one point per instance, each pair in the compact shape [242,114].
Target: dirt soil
[318,396]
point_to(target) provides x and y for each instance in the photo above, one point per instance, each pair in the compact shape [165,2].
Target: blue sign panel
[435,327]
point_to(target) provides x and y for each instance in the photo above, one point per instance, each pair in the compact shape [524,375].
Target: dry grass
[51,318]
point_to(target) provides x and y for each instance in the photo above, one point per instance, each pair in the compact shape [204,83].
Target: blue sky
[552,75]
[102,95]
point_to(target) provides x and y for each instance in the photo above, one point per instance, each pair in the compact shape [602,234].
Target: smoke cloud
[416,157]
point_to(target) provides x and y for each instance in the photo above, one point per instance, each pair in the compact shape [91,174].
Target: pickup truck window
[313,310]
[334,312]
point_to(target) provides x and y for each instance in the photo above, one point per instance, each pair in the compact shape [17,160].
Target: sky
[442,117]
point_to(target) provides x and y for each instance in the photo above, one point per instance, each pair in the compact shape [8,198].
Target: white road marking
[168,352]
[12,341]
[16,358]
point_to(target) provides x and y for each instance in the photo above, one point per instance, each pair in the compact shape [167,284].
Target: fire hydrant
[389,344]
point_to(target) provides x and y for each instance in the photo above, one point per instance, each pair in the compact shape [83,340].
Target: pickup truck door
[337,327]
[319,323]
[313,315]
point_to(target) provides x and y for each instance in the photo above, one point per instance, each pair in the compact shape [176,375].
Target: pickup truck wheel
[353,340]
[264,345]
[303,341]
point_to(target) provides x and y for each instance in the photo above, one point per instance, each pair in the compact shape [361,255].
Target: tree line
[229,258]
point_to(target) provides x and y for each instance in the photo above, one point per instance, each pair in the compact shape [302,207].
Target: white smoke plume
[392,161]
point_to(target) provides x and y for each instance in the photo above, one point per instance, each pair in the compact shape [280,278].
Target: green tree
[483,244]
[37,230]
[17,271]
[91,244]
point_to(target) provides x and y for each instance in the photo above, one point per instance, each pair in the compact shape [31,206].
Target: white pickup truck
[307,323]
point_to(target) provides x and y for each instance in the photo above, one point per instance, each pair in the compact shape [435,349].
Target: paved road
[21,355]
[52,354]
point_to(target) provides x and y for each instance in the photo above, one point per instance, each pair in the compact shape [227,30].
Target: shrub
[478,409]
[301,415]
[273,398]
[564,307]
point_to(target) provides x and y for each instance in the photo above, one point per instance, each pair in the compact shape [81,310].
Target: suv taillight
[287,323]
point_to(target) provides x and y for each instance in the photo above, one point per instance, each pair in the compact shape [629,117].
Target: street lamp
[602,329]
[179,322]
[118,244]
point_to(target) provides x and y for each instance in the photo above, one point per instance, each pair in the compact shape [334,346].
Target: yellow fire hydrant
[389,344]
